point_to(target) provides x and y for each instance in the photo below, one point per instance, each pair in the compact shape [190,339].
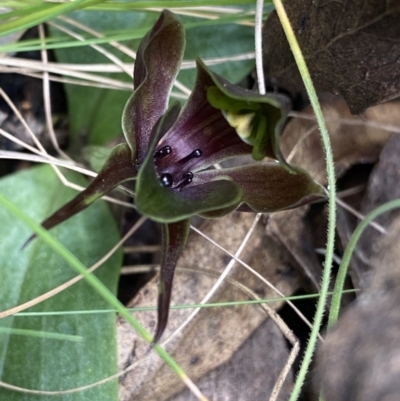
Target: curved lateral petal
[268,187]
[157,64]
[259,118]
[174,236]
[167,204]
[117,169]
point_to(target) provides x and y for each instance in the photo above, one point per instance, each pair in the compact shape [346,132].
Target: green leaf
[47,363]
[96,156]
[219,41]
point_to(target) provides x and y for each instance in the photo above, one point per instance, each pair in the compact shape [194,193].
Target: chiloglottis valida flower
[170,152]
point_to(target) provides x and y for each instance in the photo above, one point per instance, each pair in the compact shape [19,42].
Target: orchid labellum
[170,152]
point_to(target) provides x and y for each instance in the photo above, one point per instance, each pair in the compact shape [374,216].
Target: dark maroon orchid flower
[171,152]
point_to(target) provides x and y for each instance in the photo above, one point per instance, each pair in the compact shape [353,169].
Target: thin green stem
[341,276]
[42,14]
[74,262]
[178,307]
[40,334]
[123,35]
[301,64]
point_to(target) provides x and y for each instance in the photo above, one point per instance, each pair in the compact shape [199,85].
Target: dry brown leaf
[360,359]
[250,373]
[217,333]
[354,140]
[351,48]
[385,261]
[383,186]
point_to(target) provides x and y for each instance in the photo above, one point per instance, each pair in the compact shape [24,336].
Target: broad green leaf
[46,363]
[96,156]
[219,41]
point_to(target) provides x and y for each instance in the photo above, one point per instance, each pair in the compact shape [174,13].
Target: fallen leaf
[354,140]
[215,334]
[351,48]
[251,372]
[385,261]
[292,230]
[360,359]
[383,186]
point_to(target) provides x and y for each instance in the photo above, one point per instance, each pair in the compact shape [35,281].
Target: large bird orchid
[170,153]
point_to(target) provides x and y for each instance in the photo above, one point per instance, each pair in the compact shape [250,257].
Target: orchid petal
[266,187]
[117,169]
[167,204]
[200,126]
[174,236]
[258,119]
[157,64]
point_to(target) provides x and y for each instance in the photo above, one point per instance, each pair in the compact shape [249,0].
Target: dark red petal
[158,61]
[268,187]
[200,126]
[117,169]
[174,236]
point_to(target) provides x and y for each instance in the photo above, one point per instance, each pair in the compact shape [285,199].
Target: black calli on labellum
[170,152]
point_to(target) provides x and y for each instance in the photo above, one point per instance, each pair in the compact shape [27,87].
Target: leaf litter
[213,335]
[352,48]
[369,329]
[354,141]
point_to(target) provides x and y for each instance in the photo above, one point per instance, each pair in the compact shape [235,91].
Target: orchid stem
[331,201]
